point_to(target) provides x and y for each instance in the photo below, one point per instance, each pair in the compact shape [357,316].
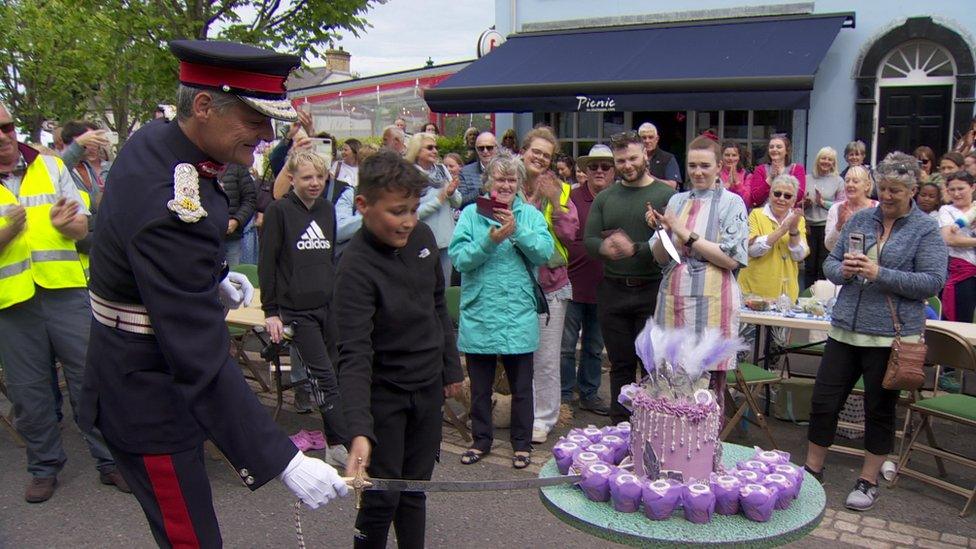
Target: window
[917,60]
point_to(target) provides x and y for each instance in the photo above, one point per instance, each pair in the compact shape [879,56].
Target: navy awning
[765,63]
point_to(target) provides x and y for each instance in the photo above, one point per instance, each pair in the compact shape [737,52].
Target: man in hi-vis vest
[44,308]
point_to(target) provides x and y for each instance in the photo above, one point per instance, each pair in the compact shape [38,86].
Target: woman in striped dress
[708,227]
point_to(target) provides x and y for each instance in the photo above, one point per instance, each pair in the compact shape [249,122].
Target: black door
[914,116]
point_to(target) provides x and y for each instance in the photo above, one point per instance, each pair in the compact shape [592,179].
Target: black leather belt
[630,281]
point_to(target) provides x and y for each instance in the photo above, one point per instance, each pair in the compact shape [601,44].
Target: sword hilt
[359,484]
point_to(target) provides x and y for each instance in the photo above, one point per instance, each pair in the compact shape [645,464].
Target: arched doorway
[915,86]
[915,83]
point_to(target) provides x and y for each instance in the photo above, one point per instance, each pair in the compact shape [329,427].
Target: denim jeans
[586,377]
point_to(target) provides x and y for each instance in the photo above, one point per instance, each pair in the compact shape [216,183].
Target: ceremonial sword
[406,485]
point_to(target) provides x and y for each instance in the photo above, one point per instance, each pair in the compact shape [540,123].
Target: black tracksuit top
[295,268]
[394,328]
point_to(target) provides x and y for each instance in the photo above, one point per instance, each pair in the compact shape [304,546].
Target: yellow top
[769,273]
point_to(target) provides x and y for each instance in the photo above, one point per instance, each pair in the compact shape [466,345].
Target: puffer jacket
[498,314]
[912,269]
[241,196]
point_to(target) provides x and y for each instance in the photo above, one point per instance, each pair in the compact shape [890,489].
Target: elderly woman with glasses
[707,225]
[441,196]
[777,243]
[898,261]
[496,254]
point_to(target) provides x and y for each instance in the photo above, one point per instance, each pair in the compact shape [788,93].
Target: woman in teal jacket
[497,258]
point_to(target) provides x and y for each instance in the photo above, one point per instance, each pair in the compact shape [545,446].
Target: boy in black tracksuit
[296,274]
[397,356]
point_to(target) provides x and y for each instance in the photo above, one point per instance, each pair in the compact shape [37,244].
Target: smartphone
[486,206]
[323,148]
[855,243]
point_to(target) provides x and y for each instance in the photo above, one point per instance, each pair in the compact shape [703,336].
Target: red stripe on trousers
[169,496]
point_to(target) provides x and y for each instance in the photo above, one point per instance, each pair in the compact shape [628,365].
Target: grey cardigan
[913,264]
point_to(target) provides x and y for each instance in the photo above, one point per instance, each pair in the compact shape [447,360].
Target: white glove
[236,290]
[313,481]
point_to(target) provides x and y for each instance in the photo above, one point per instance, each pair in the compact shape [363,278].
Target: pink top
[741,187]
[565,227]
[759,187]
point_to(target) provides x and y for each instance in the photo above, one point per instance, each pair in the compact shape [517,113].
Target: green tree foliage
[108,58]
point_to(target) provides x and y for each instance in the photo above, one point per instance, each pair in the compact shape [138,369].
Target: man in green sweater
[617,234]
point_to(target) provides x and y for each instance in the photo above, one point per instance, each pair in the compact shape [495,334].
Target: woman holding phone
[496,253]
[887,261]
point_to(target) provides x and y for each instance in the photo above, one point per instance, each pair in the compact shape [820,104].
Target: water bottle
[967,219]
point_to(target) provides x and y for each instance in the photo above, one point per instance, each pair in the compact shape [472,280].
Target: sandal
[521,461]
[471,456]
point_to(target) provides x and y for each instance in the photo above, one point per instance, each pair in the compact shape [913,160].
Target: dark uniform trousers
[174,492]
[407,427]
[623,310]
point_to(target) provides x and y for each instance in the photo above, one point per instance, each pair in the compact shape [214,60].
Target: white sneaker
[539,435]
[337,456]
[863,496]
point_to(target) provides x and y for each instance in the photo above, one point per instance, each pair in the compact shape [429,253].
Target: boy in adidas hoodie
[397,356]
[296,274]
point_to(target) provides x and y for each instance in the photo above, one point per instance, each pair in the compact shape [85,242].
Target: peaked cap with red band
[255,75]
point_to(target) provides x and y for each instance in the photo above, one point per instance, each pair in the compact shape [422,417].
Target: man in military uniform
[159,379]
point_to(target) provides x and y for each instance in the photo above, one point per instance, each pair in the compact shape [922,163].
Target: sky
[405,32]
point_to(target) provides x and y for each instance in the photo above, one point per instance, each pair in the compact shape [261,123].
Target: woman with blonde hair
[440,197]
[824,187]
[857,196]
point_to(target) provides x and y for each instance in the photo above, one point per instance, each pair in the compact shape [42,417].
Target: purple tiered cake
[670,437]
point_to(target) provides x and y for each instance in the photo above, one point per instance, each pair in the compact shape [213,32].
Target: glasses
[430,147]
[602,166]
[625,137]
[485,148]
[8,127]
[781,194]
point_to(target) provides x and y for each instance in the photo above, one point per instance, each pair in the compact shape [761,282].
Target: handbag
[906,362]
[541,303]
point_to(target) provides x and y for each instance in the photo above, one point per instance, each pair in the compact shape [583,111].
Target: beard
[638,174]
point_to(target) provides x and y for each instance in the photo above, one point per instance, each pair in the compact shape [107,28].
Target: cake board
[569,504]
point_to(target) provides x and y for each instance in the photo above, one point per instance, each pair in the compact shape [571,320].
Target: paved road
[84,513]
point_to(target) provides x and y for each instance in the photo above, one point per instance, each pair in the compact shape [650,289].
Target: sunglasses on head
[600,166]
[430,147]
[625,137]
[485,148]
[782,194]
[9,127]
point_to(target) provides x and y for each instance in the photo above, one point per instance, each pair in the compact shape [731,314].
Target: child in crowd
[397,355]
[296,272]
[929,199]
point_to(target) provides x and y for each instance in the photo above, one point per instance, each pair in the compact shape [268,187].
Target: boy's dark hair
[74,128]
[388,171]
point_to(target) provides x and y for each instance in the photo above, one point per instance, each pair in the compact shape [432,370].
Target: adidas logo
[313,239]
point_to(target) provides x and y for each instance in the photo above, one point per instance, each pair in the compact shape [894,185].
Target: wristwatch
[692,238]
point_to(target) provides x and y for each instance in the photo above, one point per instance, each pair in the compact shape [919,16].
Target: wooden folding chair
[947,349]
[749,379]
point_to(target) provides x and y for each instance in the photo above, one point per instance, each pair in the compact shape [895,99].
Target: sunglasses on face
[8,127]
[485,148]
[602,166]
[781,194]
[430,147]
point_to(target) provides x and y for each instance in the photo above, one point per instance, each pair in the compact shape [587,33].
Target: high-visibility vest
[560,253]
[39,254]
